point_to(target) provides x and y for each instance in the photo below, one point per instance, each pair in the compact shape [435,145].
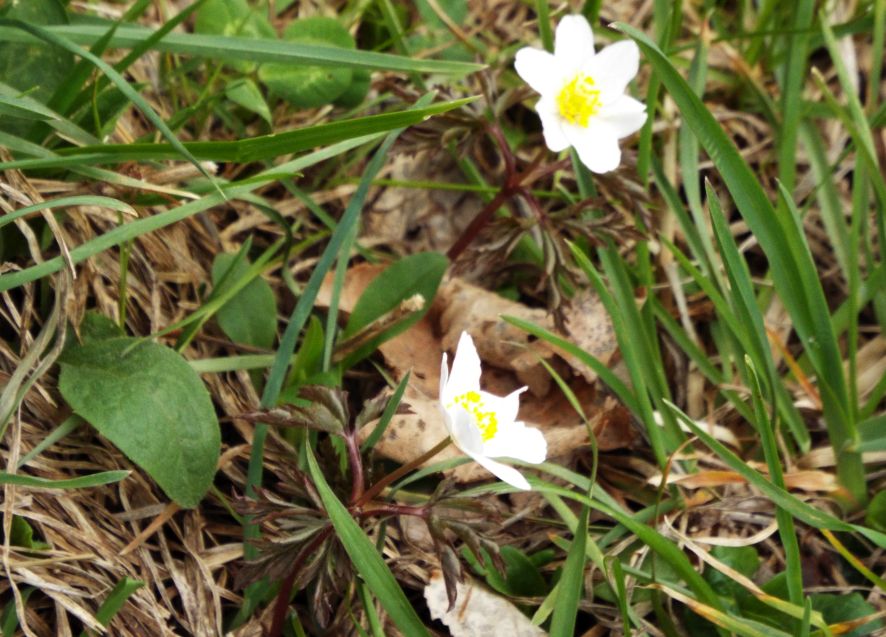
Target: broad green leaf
[34,68]
[250,317]
[145,399]
[365,557]
[311,86]
[245,93]
[234,18]
[95,326]
[416,274]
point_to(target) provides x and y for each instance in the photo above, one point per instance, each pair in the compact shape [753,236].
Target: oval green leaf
[145,399]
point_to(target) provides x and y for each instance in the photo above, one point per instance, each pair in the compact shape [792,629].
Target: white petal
[464,431]
[574,44]
[597,146]
[519,442]
[625,115]
[538,69]
[444,376]
[502,472]
[552,125]
[465,374]
[615,66]
[505,407]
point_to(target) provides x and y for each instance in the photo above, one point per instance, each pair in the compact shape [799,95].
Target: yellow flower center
[486,420]
[578,100]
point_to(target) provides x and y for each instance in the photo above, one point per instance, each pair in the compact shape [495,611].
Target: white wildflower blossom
[583,102]
[482,425]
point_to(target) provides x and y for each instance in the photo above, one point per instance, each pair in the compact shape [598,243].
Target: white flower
[483,425]
[583,101]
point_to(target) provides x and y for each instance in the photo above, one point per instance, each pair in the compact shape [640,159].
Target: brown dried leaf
[478,611]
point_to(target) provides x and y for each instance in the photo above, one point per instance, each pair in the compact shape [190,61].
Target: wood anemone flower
[483,425]
[583,102]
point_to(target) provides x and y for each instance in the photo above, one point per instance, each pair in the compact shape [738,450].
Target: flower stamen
[579,100]
[487,421]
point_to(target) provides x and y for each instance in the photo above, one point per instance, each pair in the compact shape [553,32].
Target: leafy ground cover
[239,237]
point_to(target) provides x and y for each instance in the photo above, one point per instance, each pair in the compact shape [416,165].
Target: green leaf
[250,317]
[876,515]
[146,400]
[791,265]
[416,274]
[249,49]
[571,584]
[797,508]
[34,67]
[116,598]
[365,557]
[843,608]
[311,86]
[356,91]
[83,482]
[245,93]
[234,18]
[95,326]
[743,559]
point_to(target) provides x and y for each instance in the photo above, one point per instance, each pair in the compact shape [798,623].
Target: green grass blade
[253,149]
[365,557]
[793,271]
[119,81]
[135,229]
[765,428]
[115,599]
[815,518]
[83,482]
[793,77]
[571,583]
[64,202]
[226,48]
[387,414]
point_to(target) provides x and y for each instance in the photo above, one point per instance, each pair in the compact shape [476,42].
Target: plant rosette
[583,102]
[482,425]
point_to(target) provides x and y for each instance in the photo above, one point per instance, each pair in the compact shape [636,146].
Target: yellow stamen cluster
[472,403]
[578,100]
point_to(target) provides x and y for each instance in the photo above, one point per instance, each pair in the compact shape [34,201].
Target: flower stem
[379,486]
[356,462]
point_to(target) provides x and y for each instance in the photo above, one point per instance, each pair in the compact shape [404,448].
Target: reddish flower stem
[281,604]
[356,461]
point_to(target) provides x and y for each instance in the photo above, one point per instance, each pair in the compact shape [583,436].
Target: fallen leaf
[478,611]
